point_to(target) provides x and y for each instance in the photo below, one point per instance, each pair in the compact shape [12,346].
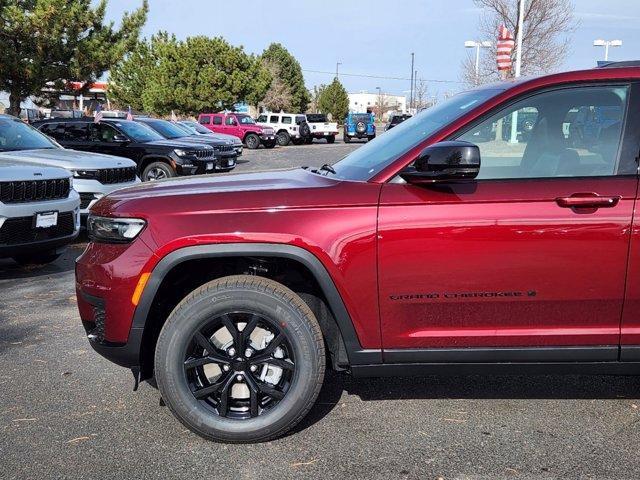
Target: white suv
[95,175]
[286,126]
[39,211]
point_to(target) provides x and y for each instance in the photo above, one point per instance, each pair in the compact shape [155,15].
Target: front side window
[245,120]
[101,132]
[17,135]
[569,132]
[217,120]
[262,119]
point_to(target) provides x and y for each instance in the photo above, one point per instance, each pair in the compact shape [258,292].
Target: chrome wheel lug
[239,378]
[248,352]
[253,368]
[231,352]
[225,368]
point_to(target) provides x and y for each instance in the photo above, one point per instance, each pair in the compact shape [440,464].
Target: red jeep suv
[239,125]
[459,241]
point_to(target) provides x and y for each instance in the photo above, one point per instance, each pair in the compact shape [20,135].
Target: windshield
[196,127]
[361,117]
[245,120]
[316,117]
[167,129]
[138,132]
[17,135]
[373,157]
[186,129]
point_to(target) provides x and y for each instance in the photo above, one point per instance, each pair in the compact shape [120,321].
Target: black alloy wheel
[240,363]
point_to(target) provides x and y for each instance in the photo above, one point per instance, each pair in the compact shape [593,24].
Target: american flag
[97,116]
[129,114]
[504,48]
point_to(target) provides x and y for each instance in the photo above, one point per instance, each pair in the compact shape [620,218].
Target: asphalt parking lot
[66,412]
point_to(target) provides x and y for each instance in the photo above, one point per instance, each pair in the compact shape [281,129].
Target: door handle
[587,200]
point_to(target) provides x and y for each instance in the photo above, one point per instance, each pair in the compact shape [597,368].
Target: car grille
[117,175]
[85,200]
[34,190]
[224,148]
[203,153]
[20,230]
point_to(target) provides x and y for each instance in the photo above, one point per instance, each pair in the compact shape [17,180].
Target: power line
[432,80]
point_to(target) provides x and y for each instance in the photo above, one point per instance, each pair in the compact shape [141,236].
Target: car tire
[192,329]
[39,258]
[308,140]
[283,138]
[370,137]
[270,144]
[331,139]
[157,171]
[298,141]
[252,141]
[346,138]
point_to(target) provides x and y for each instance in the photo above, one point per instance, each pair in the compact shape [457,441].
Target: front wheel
[283,138]
[371,137]
[346,138]
[157,171]
[270,144]
[331,138]
[241,359]
[252,141]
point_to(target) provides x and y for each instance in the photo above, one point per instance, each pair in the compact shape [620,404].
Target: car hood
[11,170]
[220,136]
[206,139]
[234,191]
[174,143]
[70,159]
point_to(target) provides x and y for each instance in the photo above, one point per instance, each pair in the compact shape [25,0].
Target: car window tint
[217,120]
[273,119]
[230,121]
[286,120]
[54,130]
[571,132]
[76,132]
[262,119]
[101,132]
[205,120]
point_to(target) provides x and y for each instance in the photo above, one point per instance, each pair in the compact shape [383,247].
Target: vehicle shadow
[482,387]
[10,270]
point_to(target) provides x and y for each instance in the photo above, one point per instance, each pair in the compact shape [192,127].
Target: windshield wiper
[328,168]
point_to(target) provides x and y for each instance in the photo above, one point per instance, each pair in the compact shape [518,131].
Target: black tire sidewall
[286,138]
[175,337]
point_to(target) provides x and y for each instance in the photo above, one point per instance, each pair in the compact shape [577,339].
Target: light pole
[477,46]
[337,66]
[379,102]
[606,44]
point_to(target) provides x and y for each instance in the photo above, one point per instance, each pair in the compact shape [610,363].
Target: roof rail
[622,64]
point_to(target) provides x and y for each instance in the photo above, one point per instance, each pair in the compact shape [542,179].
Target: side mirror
[444,161]
[119,138]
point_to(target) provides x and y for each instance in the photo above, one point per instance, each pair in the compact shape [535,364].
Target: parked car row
[45,190]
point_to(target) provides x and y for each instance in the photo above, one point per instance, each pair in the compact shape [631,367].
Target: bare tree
[545,42]
[278,96]
[421,98]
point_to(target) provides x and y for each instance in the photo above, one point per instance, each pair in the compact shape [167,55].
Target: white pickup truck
[319,127]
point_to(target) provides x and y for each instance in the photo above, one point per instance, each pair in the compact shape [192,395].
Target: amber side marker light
[137,293]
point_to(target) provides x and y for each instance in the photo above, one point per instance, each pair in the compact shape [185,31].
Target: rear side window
[206,120]
[273,119]
[101,132]
[217,120]
[286,120]
[54,130]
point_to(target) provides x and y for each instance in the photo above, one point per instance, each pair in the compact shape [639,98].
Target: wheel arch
[327,304]
[153,157]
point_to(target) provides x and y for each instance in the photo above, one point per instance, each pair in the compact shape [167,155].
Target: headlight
[114,230]
[86,174]
[181,153]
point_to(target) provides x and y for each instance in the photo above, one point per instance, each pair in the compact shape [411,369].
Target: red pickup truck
[456,242]
[239,125]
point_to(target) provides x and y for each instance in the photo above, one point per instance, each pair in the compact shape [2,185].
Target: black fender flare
[355,353]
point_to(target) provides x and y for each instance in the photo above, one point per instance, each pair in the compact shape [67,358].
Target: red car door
[531,254]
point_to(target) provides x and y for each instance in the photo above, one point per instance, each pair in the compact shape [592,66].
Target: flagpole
[514,116]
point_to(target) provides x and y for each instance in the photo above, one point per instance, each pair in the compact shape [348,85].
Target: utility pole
[415,89]
[411,95]
[337,67]
[514,116]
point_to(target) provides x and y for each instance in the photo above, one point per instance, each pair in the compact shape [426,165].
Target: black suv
[397,120]
[156,156]
[224,148]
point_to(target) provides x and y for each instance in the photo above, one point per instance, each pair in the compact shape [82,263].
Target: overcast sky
[376,37]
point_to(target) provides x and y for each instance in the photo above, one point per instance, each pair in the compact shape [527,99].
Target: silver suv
[39,211]
[95,175]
